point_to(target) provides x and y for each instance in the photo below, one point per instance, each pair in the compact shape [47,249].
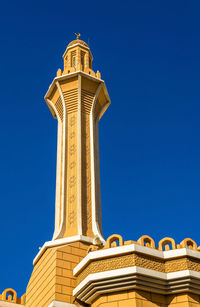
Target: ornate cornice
[112,268]
[139,279]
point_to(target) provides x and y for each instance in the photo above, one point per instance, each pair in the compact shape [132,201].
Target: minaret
[77,98]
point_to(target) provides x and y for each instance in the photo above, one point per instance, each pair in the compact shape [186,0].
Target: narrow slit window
[74,61]
[82,62]
[90,63]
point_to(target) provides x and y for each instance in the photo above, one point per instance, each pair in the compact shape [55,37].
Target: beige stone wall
[145,299]
[52,277]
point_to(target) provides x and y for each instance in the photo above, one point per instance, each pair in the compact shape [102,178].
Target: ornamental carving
[142,260]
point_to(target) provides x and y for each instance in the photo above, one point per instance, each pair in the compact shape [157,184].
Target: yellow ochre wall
[52,277]
[146,299]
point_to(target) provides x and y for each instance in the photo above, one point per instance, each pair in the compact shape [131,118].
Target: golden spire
[77,35]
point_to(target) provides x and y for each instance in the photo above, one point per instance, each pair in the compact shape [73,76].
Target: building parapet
[10,296]
[164,244]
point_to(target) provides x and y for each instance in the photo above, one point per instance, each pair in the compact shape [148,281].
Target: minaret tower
[77,98]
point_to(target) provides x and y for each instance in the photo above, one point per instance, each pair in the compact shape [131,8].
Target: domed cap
[78,41]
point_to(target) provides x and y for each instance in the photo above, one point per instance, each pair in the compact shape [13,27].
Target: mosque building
[78,267]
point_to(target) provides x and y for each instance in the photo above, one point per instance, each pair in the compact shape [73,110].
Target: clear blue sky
[149,55]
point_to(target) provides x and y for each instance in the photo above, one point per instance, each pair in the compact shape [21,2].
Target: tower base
[52,280]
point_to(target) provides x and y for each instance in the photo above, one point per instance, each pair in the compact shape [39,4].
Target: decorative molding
[58,174]
[57,201]
[95,226]
[139,260]
[120,262]
[63,185]
[137,278]
[52,106]
[126,249]
[73,74]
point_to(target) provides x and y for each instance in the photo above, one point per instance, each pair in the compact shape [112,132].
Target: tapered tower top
[78,57]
